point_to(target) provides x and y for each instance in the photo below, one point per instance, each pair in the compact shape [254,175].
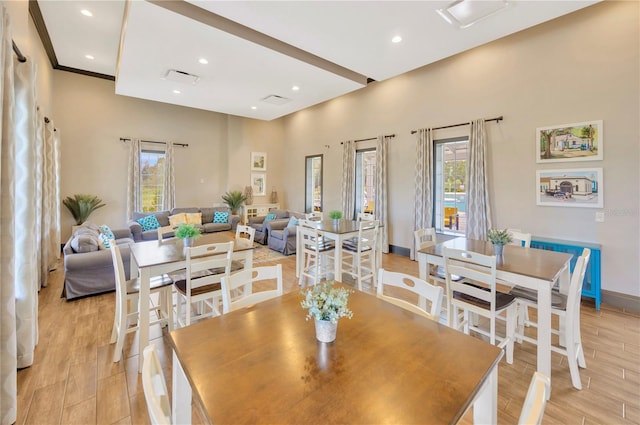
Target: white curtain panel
[424,182]
[50,230]
[134,200]
[348,178]
[169,195]
[27,241]
[8,351]
[478,209]
[380,200]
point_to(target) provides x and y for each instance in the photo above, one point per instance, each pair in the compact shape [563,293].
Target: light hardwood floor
[73,380]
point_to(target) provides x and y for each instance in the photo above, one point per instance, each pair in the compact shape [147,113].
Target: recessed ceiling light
[203,61]
[295,88]
[254,107]
[89,57]
[176,92]
[396,39]
[86,12]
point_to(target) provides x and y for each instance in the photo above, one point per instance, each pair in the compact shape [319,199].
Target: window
[152,175]
[365,180]
[313,183]
[450,197]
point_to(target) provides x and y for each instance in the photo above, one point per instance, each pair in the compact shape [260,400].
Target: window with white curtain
[152,178]
[450,200]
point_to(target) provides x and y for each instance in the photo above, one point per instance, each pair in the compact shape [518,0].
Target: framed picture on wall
[258,161]
[577,187]
[569,142]
[259,184]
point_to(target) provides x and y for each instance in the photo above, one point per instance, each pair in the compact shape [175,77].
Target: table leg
[143,310]
[299,255]
[485,406]
[337,259]
[181,394]
[544,330]
[422,265]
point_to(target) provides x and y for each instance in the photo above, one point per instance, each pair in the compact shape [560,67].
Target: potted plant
[234,200]
[336,216]
[326,305]
[81,206]
[188,233]
[499,238]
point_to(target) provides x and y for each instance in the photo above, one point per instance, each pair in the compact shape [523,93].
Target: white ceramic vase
[326,330]
[498,249]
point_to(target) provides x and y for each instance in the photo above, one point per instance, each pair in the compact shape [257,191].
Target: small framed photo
[569,142]
[258,161]
[259,184]
[576,187]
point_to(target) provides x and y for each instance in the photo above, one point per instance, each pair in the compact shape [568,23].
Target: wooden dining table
[153,258]
[531,268]
[263,364]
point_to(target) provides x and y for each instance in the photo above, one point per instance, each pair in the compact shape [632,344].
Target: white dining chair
[205,266]
[317,253]
[359,253]
[127,291]
[253,285]
[567,308]
[536,400]
[403,284]
[245,232]
[365,216]
[520,238]
[314,216]
[155,388]
[479,298]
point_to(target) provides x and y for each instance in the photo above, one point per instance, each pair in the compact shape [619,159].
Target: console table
[591,287]
[255,210]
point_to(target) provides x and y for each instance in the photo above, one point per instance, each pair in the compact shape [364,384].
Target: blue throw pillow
[220,217]
[270,217]
[106,235]
[293,222]
[149,222]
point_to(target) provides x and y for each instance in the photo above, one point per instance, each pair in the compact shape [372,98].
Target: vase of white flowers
[499,238]
[326,305]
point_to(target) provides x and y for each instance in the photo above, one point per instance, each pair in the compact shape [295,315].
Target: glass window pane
[450,185]
[152,175]
[313,183]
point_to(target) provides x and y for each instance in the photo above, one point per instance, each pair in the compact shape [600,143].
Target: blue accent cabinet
[591,286]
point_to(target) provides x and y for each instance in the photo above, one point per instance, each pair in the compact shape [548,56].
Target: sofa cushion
[216,227]
[293,222]
[270,216]
[106,235]
[149,222]
[194,218]
[278,234]
[177,219]
[162,216]
[220,217]
[85,242]
[280,213]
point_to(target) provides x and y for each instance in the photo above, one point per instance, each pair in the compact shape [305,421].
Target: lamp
[465,13]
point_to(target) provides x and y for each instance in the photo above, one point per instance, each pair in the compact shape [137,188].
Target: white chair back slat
[155,388]
[520,238]
[245,281]
[425,291]
[535,401]
[245,232]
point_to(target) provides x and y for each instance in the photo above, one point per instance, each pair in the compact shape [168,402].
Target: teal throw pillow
[149,222]
[106,235]
[293,222]
[270,217]
[220,217]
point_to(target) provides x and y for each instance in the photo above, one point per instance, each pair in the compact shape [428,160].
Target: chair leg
[512,317]
[121,334]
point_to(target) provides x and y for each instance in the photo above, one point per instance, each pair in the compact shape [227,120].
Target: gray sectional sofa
[208,226]
[277,233]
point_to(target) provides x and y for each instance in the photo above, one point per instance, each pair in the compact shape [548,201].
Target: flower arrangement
[187,231]
[499,237]
[335,214]
[325,302]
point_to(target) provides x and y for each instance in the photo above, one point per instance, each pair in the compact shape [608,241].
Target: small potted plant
[234,200]
[81,206]
[336,216]
[188,233]
[326,305]
[499,238]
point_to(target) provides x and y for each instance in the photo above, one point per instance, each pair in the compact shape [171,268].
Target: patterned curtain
[169,195]
[380,199]
[424,182]
[348,179]
[478,209]
[50,205]
[134,199]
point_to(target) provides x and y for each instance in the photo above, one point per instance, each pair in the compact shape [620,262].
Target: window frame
[308,179]
[438,184]
[161,153]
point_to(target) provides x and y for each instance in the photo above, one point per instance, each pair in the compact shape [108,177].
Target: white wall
[580,67]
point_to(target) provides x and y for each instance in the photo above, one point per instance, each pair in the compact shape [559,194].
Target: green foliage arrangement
[499,237]
[187,231]
[325,302]
[335,214]
[81,206]
[234,200]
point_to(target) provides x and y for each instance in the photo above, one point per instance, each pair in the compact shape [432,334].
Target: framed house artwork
[577,187]
[258,161]
[569,142]
[259,184]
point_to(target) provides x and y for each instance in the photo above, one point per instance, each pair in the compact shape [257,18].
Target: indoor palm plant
[326,304]
[499,238]
[81,206]
[234,200]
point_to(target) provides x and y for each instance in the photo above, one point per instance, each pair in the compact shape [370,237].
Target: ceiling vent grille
[181,77]
[274,99]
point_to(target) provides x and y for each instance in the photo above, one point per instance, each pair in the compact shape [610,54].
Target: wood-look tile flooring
[73,380]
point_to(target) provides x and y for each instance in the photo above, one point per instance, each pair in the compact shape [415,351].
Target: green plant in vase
[499,238]
[326,305]
[234,200]
[188,233]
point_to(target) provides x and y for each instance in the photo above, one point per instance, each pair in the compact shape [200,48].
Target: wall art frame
[580,141]
[573,187]
[259,184]
[258,161]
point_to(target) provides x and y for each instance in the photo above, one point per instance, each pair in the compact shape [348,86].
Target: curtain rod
[184,145]
[18,53]
[371,138]
[496,119]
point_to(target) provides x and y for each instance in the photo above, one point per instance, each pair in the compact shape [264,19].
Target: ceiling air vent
[181,77]
[274,99]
